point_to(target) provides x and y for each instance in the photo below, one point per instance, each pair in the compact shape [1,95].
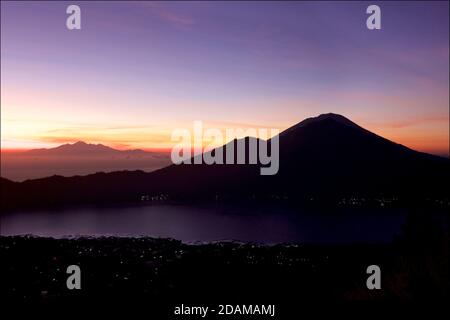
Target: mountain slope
[327,155]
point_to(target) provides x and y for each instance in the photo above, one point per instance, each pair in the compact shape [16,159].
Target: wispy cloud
[409,122]
[168,15]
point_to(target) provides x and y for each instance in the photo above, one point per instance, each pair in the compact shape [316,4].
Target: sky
[136,71]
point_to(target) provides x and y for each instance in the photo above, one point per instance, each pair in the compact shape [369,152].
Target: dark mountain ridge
[327,157]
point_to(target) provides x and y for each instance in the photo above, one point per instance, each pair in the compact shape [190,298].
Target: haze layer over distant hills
[79,158]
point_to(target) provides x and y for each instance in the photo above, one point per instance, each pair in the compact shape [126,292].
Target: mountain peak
[330,115]
[324,117]
[80,143]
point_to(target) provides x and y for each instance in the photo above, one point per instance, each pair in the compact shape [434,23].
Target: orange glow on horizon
[429,142]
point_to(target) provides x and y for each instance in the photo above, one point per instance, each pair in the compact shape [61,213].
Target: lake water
[200,224]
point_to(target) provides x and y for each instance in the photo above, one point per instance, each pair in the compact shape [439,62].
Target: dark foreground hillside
[161,273]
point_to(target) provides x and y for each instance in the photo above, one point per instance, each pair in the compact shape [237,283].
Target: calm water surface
[191,224]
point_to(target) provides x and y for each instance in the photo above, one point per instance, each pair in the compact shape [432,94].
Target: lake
[211,223]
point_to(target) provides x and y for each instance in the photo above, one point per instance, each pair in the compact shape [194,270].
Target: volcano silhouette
[327,157]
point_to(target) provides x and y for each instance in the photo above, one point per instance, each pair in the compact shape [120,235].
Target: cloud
[409,122]
[167,15]
[175,18]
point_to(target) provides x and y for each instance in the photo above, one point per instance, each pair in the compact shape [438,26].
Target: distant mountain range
[79,158]
[81,148]
[327,157]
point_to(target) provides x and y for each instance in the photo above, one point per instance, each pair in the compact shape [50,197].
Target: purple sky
[138,70]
